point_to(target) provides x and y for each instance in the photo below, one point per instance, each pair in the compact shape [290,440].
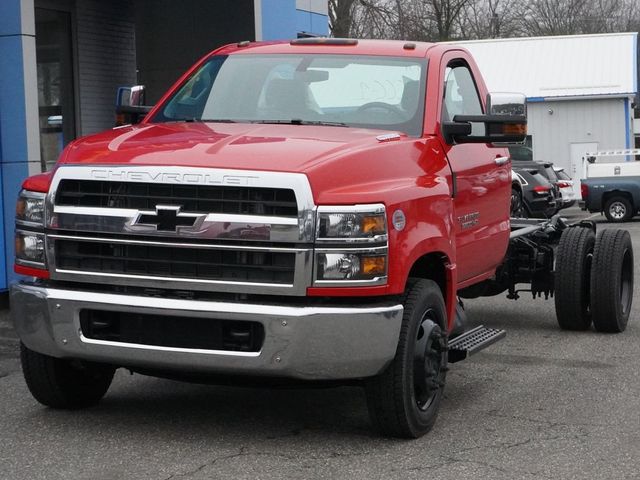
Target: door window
[461,95]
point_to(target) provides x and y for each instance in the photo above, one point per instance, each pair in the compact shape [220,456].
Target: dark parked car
[532,195]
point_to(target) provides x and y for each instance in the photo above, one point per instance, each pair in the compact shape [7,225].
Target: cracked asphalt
[540,404]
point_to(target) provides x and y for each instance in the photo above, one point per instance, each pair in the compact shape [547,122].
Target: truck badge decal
[172,177]
[166,219]
[469,220]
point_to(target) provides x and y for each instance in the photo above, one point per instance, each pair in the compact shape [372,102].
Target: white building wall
[556,125]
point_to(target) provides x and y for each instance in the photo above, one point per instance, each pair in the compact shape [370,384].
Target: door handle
[501,160]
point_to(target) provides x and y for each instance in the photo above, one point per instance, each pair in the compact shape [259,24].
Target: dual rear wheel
[594,279]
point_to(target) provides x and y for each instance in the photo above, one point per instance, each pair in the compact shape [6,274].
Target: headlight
[30,208]
[369,266]
[357,223]
[30,248]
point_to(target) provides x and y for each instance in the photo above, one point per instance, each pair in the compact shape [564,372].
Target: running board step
[472,342]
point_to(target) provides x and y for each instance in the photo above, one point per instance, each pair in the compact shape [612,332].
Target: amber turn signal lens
[20,207]
[514,129]
[19,245]
[373,265]
[373,224]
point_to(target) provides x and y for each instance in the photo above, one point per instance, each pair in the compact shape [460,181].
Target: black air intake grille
[280,202]
[172,331]
[168,261]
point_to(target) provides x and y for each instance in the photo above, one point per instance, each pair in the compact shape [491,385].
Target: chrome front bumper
[313,343]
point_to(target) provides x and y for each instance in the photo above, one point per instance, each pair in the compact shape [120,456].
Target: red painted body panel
[348,166]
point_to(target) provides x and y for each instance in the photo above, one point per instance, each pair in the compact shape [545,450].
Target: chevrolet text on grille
[169,177]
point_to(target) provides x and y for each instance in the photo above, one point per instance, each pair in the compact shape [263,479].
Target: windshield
[345,90]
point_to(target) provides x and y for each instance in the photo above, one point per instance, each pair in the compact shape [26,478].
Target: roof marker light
[324,41]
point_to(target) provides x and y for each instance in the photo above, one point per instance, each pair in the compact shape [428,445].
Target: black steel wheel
[618,209]
[612,281]
[64,384]
[573,278]
[404,400]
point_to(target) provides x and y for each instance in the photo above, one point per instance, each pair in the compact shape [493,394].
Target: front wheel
[64,384]
[404,400]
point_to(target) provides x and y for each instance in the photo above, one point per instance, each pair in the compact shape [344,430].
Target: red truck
[311,211]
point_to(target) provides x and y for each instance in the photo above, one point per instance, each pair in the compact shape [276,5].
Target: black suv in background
[539,193]
[532,195]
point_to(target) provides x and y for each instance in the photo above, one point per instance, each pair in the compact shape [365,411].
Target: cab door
[481,178]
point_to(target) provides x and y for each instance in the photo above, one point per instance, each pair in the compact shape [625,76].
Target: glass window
[358,91]
[460,93]
[55,83]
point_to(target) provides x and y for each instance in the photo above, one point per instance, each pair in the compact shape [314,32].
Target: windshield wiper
[297,121]
[218,120]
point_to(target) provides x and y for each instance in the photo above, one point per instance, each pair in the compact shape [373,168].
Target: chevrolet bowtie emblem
[166,219]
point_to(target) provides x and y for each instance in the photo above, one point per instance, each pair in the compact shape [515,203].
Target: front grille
[168,261]
[280,202]
[172,331]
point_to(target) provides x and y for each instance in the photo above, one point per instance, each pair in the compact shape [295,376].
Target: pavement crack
[209,463]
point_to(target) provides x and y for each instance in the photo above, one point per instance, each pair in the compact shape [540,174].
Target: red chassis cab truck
[304,211]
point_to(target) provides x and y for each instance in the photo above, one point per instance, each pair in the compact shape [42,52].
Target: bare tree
[434,20]
[491,19]
[342,17]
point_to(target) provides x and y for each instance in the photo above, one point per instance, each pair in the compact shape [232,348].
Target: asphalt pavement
[540,404]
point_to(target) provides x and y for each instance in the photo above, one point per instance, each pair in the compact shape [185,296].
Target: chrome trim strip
[171,279]
[29,263]
[363,249]
[132,213]
[24,223]
[351,283]
[157,348]
[249,309]
[178,245]
[359,208]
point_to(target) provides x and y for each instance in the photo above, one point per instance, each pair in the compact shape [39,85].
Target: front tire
[64,384]
[618,209]
[404,400]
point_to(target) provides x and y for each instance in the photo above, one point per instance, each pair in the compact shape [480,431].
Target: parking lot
[540,404]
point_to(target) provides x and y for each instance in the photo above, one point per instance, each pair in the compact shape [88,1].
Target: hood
[287,148]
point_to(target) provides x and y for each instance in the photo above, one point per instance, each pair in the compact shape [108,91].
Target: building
[580,89]
[61,62]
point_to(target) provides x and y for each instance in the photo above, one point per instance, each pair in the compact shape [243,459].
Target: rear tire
[404,400]
[618,209]
[64,384]
[573,277]
[612,281]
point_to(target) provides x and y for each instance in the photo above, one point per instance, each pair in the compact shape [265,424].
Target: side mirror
[130,107]
[504,123]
